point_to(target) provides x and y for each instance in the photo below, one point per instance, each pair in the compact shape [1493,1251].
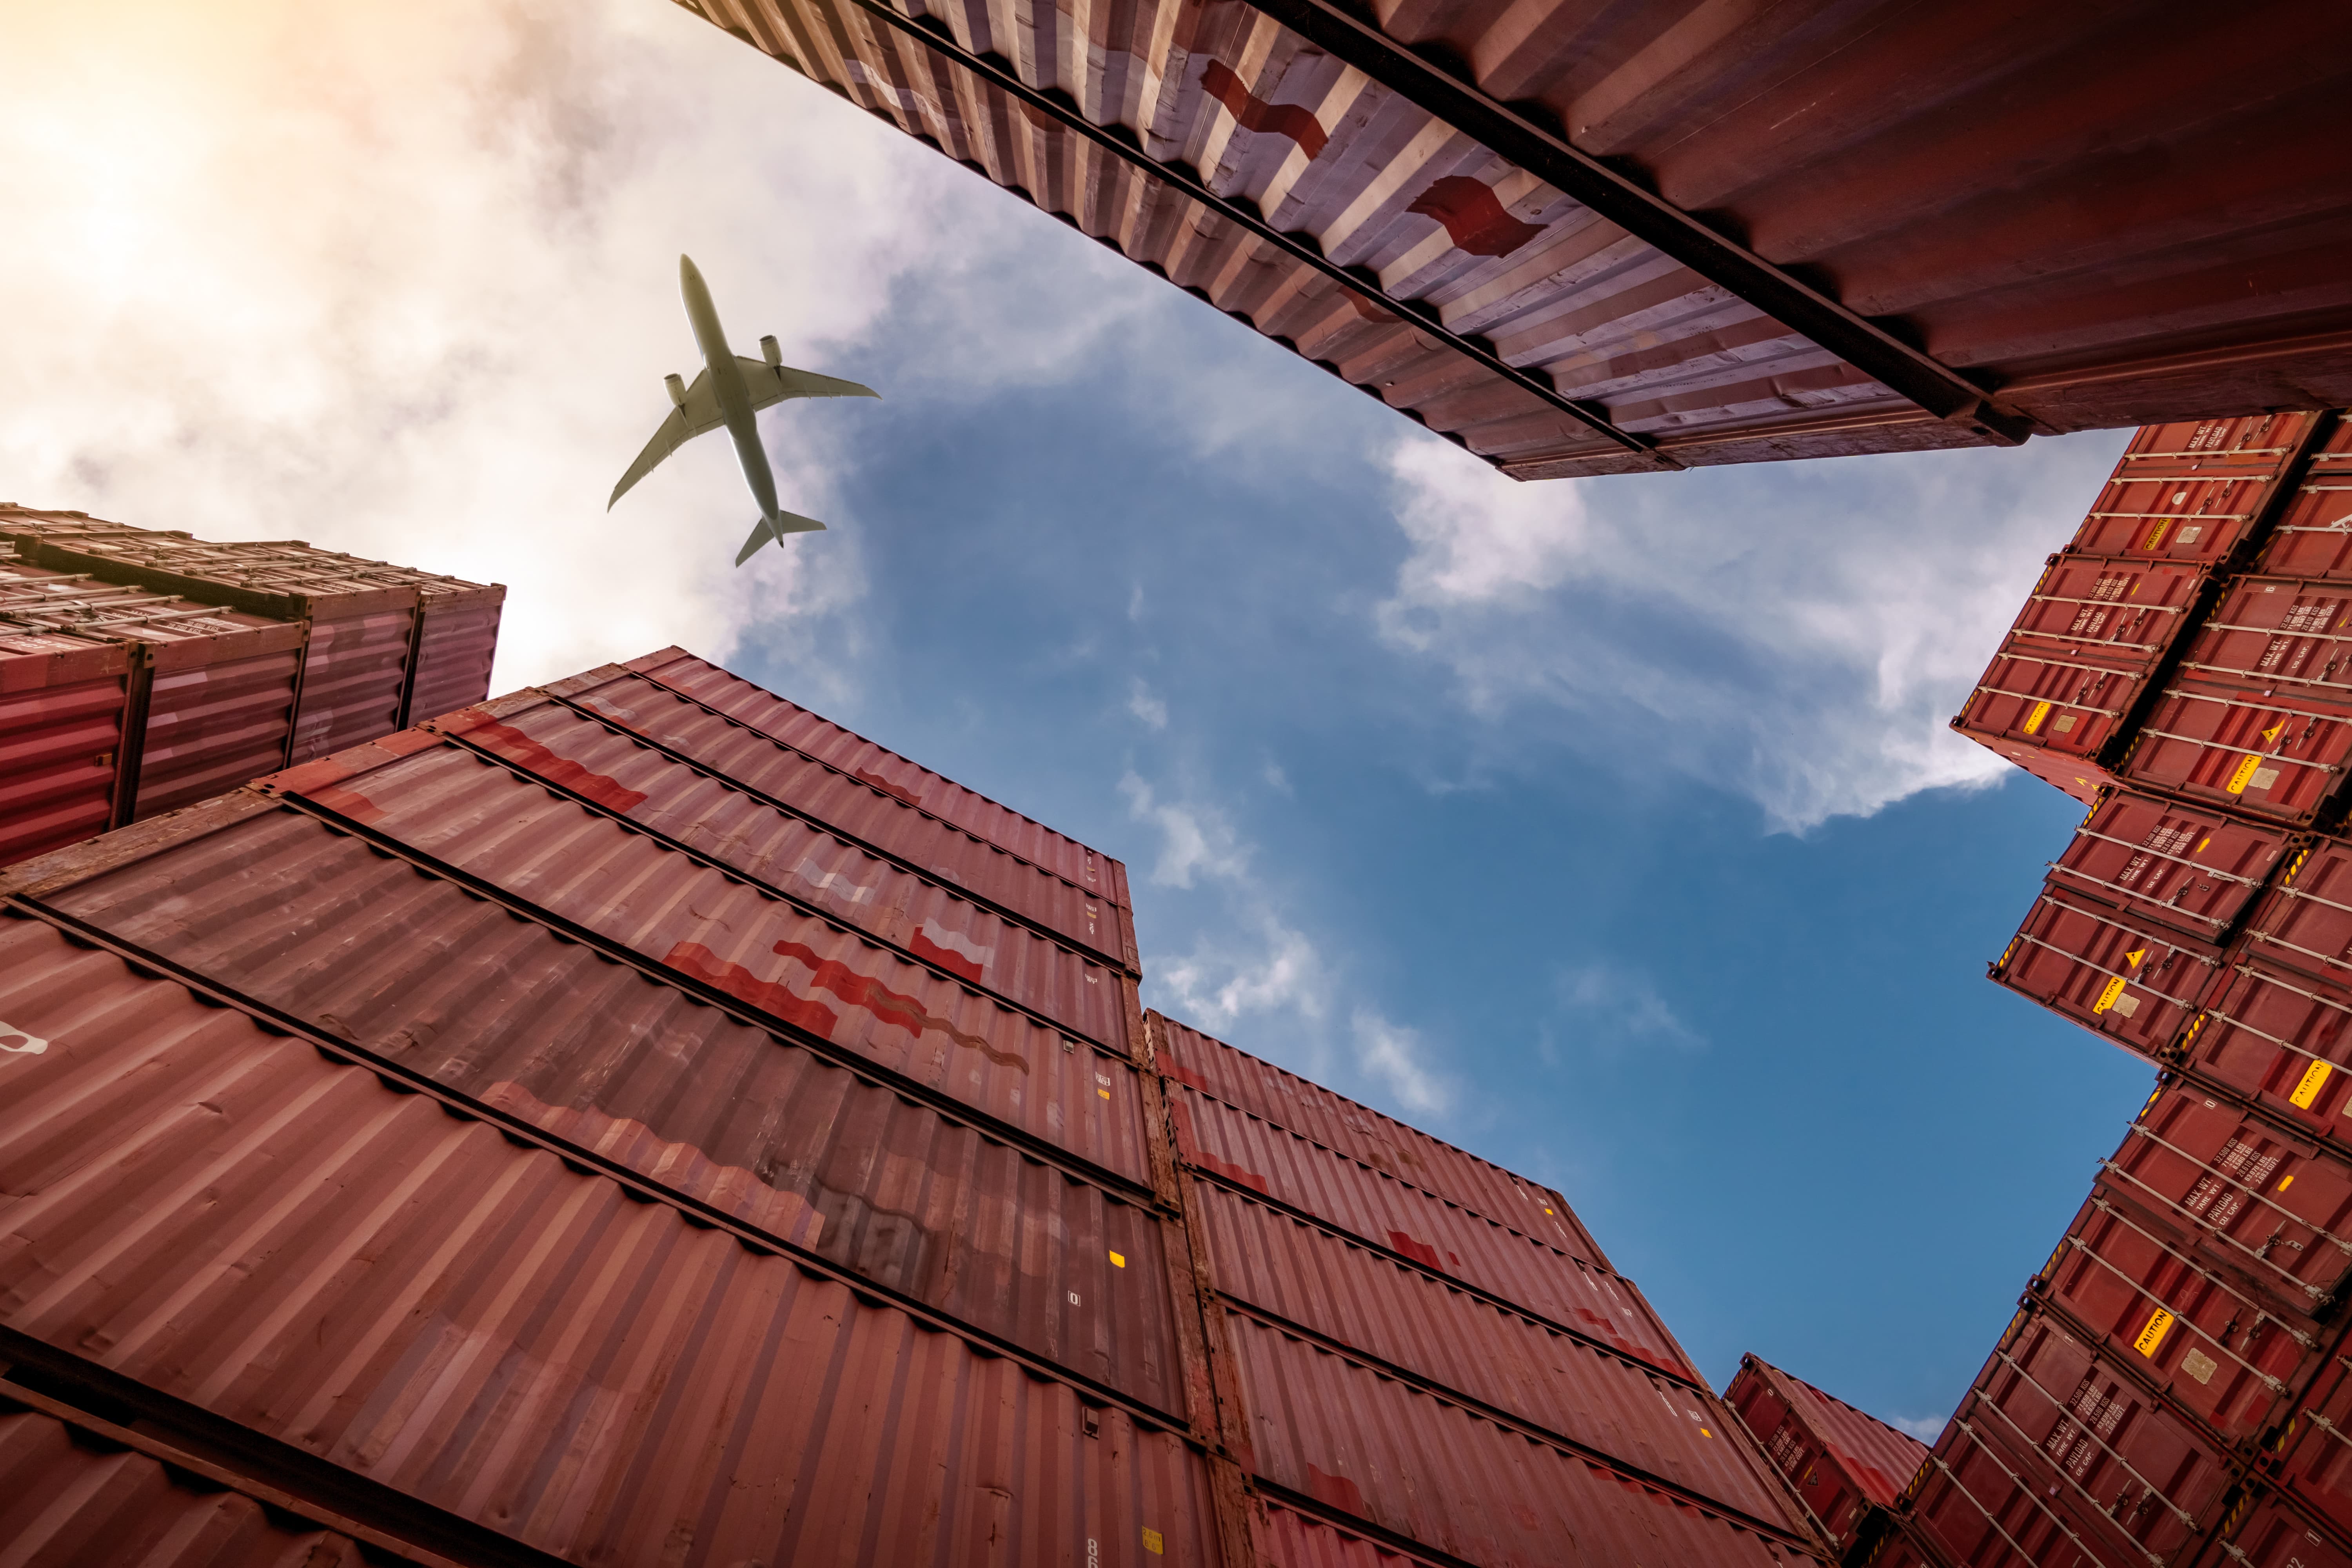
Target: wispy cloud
[1740,630]
[1395,1056]
[1623,1005]
[1927,1428]
[1196,839]
[1145,706]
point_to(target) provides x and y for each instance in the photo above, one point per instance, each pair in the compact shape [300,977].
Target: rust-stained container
[2133,981]
[2190,868]
[2203,1342]
[1330,1429]
[2060,1450]
[404,1285]
[1414,1324]
[1849,1469]
[854,810]
[2271,1212]
[1346,1127]
[2313,537]
[2279,1039]
[823,740]
[1490,218]
[2315,1463]
[2305,922]
[608,770]
[1579,1294]
[2073,672]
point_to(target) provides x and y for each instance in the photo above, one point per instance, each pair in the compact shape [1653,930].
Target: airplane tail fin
[767,528]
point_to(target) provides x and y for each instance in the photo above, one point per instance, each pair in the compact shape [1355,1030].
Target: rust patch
[1338,1490]
[923,947]
[1256,113]
[691,958]
[890,1007]
[1474,217]
[900,791]
[515,747]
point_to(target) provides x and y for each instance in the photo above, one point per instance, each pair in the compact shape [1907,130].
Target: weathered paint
[281,1239]
[1841,1463]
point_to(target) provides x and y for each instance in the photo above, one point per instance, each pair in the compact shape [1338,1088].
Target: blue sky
[1610,828]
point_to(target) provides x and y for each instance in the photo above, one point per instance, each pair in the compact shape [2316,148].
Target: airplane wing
[775,382]
[698,412]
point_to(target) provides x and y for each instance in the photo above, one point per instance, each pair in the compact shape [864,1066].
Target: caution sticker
[2108,995]
[1154,1542]
[2159,1322]
[2307,1088]
[2244,771]
[2033,720]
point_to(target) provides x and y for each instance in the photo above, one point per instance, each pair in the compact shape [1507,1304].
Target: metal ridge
[703,857]
[800,813]
[270,1471]
[1904,368]
[1468,1288]
[581,1157]
[1126,1188]
[1535,1430]
[2035,1299]
[1120,142]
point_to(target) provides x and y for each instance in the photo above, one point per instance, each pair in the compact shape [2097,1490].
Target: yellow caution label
[2271,734]
[2244,771]
[1119,1260]
[1103,1092]
[2286,1182]
[2307,1088]
[2033,720]
[2107,994]
[1154,1542]
[2159,1322]
[2156,534]
[2201,846]
[2134,956]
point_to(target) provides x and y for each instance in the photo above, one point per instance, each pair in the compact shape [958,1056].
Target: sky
[1611,828]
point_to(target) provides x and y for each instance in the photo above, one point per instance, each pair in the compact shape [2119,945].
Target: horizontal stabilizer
[763,530]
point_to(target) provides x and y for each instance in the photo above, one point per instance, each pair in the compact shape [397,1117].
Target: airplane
[726,392]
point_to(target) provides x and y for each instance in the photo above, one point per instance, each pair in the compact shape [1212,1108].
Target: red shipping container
[1849,1469]
[1415,1325]
[2242,1197]
[2260,446]
[2306,923]
[2188,518]
[794,726]
[2072,669]
[863,812]
[2274,1535]
[2280,1039]
[2280,757]
[2211,1348]
[1332,1430]
[1573,1293]
[2314,539]
[62,716]
[397,1287]
[611,771]
[2189,867]
[2126,978]
[2314,1464]
[1363,1134]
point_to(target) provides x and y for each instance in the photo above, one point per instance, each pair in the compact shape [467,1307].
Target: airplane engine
[676,385]
[773,350]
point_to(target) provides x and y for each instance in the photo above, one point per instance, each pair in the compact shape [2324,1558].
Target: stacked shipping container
[639,1117]
[142,671]
[2162,1394]
[1848,1469]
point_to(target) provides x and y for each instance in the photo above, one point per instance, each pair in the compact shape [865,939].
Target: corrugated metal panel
[280,1240]
[2191,868]
[2208,1345]
[2280,1039]
[2316,1451]
[1414,197]
[804,1150]
[2280,757]
[2274,1536]
[353,677]
[456,646]
[2306,924]
[871,816]
[1876,1461]
[61,712]
[218,715]
[1289,1539]
[2196,492]
[2254,446]
[792,725]
[66,1499]
[1570,1291]
[1363,1134]
[321,925]
[2270,1211]
[2314,539]
[1319,1280]
[2129,978]
[2068,674]
[1326,1427]
[788,855]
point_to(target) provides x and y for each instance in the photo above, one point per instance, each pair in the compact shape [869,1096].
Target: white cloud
[1927,1428]
[1145,706]
[1757,630]
[1195,839]
[1393,1054]
[1623,1002]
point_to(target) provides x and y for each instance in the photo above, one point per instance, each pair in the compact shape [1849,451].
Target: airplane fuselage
[727,383]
